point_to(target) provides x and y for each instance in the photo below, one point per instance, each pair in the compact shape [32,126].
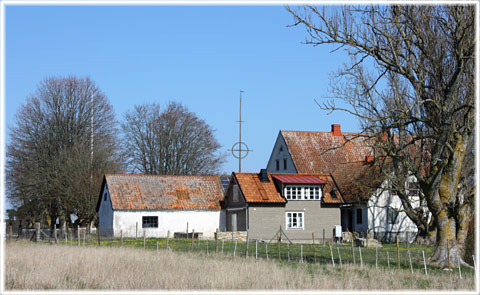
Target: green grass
[290,254]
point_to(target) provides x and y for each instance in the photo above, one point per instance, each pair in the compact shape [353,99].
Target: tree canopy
[173,141]
[63,140]
[410,81]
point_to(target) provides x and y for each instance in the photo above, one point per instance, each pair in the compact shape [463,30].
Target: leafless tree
[173,141]
[411,83]
[51,172]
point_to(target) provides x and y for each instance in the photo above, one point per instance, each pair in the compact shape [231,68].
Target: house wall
[105,213]
[237,208]
[280,155]
[377,217]
[204,221]
[265,220]
[353,210]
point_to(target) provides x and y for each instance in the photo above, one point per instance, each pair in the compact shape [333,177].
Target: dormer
[300,188]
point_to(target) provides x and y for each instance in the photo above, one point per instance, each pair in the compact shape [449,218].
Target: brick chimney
[336,130]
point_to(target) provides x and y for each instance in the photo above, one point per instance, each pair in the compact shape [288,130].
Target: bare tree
[51,171]
[173,141]
[411,83]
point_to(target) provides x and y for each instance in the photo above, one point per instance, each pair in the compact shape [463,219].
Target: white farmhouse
[132,205]
[370,206]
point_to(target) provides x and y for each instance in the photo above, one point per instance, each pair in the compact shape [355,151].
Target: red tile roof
[164,192]
[256,191]
[342,154]
[299,179]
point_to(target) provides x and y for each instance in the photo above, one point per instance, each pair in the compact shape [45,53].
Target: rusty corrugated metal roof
[164,192]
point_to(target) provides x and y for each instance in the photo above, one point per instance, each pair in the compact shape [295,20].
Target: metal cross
[240,146]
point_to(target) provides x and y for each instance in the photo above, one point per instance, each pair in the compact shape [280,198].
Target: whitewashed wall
[105,214]
[202,221]
[377,213]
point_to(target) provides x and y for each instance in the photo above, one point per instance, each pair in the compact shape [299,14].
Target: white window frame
[303,192]
[299,222]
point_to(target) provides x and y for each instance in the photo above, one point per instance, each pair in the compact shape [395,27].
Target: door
[234,222]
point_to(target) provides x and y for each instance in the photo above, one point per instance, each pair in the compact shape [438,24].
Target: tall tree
[173,141]
[411,83]
[54,169]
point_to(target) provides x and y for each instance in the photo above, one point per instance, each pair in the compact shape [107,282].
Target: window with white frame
[302,192]
[295,220]
[392,216]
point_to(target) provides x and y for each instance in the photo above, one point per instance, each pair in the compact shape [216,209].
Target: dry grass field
[32,266]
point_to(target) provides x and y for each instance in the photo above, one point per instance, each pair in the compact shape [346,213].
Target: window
[277,164]
[295,220]
[296,192]
[235,193]
[281,148]
[150,221]
[359,216]
[105,197]
[284,164]
[392,216]
[413,188]
[333,194]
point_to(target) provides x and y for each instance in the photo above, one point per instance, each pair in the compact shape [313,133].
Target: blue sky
[200,56]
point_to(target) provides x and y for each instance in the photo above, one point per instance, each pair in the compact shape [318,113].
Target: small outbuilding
[133,205]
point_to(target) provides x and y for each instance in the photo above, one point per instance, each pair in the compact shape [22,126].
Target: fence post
[98,234]
[121,237]
[459,268]
[353,249]
[278,244]
[474,263]
[388,260]
[143,239]
[313,244]
[37,231]
[398,254]
[71,236]
[55,233]
[266,250]
[288,252]
[246,248]
[207,247]
[11,232]
[301,253]
[223,242]
[136,230]
[256,249]
[193,235]
[448,253]
[361,258]
[323,237]
[376,257]
[168,237]
[424,263]
[216,241]
[235,249]
[157,247]
[84,234]
[78,234]
[339,257]
[187,229]
[410,259]
[331,254]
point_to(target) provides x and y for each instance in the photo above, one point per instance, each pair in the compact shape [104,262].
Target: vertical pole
[398,254]
[10,232]
[235,249]
[410,259]
[84,234]
[266,250]
[55,233]
[136,230]
[240,136]
[37,231]
[459,268]
[193,234]
[223,241]
[331,254]
[207,247]
[313,243]
[474,263]
[424,263]
[339,257]
[388,260]
[256,249]
[232,236]
[301,253]
[66,235]
[278,245]
[353,249]
[143,239]
[376,257]
[216,241]
[323,237]
[448,253]
[288,252]
[187,229]
[78,234]
[98,234]
[246,248]
[157,247]
[361,258]
[121,238]
[168,237]
[71,236]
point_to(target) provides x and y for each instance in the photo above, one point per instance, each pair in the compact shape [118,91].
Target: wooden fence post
[187,229]
[157,247]
[235,249]
[98,234]
[361,258]
[459,268]
[323,237]
[136,230]
[331,254]
[207,247]
[37,231]
[339,257]
[11,232]
[424,263]
[314,253]
[121,237]
[256,249]
[55,233]
[376,257]
[353,249]
[278,244]
[410,259]
[398,254]
[246,247]
[84,234]
[448,253]
[144,239]
[168,237]
[223,242]
[71,235]
[388,260]
[216,241]
[288,252]
[193,235]
[301,253]
[78,234]
[266,250]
